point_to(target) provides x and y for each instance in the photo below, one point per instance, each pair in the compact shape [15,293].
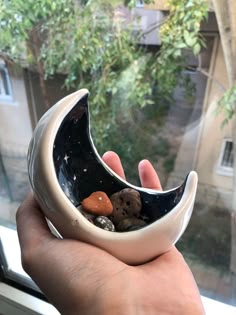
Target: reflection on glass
[15,133]
[176,135]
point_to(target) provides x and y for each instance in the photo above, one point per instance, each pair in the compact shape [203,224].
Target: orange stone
[98,203]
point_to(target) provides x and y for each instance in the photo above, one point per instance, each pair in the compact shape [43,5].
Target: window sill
[225,172]
[16,302]
[10,259]
[213,307]
[6,102]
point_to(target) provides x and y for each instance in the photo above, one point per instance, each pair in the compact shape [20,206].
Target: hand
[79,278]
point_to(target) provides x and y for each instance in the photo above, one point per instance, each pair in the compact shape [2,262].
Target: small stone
[126,203]
[104,223]
[144,218]
[130,224]
[98,203]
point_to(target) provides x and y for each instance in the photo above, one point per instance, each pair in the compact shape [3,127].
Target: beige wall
[15,126]
[158,5]
[202,142]
[212,135]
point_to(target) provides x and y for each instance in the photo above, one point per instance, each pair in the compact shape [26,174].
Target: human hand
[79,278]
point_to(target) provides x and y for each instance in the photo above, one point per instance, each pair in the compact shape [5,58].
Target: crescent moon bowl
[64,168]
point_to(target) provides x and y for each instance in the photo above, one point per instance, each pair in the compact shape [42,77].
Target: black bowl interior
[80,172]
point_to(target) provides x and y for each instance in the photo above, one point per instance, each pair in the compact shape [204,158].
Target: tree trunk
[223,20]
[36,48]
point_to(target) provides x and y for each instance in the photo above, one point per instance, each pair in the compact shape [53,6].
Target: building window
[5,84]
[226,160]
[228,155]
[139,3]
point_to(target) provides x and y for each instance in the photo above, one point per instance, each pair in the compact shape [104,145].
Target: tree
[93,44]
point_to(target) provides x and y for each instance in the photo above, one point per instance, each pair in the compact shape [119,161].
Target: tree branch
[36,49]
[207,74]
[156,25]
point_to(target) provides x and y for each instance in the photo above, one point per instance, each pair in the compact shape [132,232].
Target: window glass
[139,3]
[226,158]
[16,131]
[5,83]
[177,135]
[228,155]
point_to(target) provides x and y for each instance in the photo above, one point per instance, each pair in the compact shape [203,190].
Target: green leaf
[177,53]
[196,49]
[189,38]
[114,90]
[180,45]
[84,41]
[54,5]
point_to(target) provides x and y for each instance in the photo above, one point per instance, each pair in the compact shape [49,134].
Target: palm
[87,272]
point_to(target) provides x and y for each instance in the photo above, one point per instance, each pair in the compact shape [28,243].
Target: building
[21,106]
[206,146]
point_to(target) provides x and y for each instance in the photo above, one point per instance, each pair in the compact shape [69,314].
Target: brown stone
[126,203]
[98,203]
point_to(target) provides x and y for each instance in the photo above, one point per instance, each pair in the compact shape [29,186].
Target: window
[226,160]
[177,134]
[139,3]
[5,83]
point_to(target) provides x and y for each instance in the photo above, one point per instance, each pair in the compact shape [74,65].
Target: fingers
[148,175]
[31,224]
[113,161]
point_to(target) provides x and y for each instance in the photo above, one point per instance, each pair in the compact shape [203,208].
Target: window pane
[176,133]
[2,90]
[228,154]
[4,82]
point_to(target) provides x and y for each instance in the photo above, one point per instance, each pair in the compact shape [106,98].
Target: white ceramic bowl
[64,167]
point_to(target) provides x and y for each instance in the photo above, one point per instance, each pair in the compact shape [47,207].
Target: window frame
[224,170]
[4,97]
[14,301]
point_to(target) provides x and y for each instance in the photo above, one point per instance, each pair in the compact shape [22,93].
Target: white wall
[15,125]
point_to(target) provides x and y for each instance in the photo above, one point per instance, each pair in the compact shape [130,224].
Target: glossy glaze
[64,167]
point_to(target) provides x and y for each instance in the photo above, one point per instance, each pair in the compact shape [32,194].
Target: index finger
[113,161]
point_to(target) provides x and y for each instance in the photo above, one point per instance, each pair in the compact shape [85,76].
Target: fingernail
[143,162]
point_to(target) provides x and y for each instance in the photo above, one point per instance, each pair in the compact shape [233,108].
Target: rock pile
[121,212]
